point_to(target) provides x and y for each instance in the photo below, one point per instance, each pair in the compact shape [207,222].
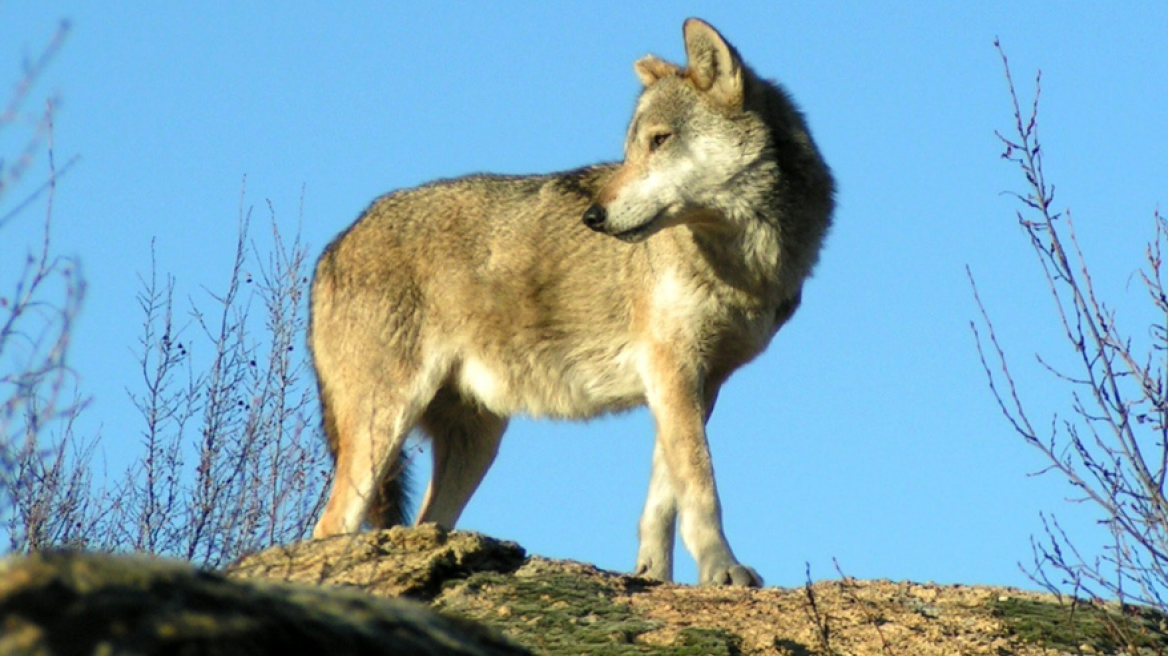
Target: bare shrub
[43,493]
[230,461]
[1112,446]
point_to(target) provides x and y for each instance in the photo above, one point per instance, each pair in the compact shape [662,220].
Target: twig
[818,619]
[848,588]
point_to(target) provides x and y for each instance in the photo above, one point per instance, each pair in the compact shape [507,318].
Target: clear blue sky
[866,433]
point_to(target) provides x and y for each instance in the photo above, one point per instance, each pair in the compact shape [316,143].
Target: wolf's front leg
[674,396]
[658,523]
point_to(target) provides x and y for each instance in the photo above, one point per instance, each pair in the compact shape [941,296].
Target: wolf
[452,306]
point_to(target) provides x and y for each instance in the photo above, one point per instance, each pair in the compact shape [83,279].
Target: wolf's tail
[391,506]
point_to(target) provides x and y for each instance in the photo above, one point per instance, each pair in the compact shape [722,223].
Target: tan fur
[454,305]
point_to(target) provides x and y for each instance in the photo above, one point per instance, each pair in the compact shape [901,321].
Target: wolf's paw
[734,574]
[654,570]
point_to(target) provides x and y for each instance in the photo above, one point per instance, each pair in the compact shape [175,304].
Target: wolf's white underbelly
[553,386]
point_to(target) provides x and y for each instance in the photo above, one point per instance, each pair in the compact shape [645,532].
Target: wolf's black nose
[594,217]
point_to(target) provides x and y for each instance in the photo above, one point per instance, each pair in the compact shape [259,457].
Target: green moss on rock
[1071,627]
[559,613]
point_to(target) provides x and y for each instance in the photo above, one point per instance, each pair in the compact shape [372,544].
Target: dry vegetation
[1112,444]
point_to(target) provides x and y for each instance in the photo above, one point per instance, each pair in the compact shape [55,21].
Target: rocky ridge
[378,592]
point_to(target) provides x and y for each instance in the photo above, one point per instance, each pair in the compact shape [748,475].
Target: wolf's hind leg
[370,437]
[372,418]
[465,438]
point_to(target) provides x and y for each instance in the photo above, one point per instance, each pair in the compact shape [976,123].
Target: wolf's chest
[716,320]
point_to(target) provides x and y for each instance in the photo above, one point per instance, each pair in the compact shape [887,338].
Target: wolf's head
[696,143]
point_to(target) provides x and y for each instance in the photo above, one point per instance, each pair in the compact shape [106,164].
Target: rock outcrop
[427,591]
[63,603]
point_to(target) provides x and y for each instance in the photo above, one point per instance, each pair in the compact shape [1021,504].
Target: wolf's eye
[658,139]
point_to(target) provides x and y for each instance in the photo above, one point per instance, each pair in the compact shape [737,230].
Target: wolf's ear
[714,65]
[651,68]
